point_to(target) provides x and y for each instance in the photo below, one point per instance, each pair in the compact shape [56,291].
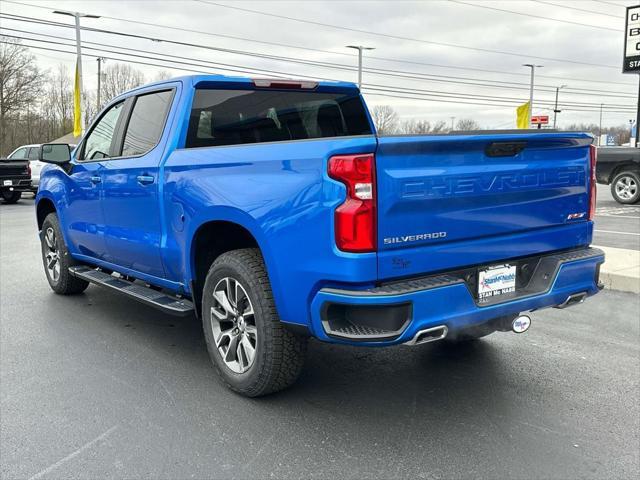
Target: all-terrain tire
[57,260]
[279,354]
[11,197]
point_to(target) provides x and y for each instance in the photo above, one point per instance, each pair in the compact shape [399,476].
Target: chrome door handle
[96,179]
[145,179]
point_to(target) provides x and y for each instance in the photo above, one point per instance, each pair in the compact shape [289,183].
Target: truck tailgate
[493,196]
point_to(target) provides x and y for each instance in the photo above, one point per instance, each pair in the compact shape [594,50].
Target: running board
[149,296]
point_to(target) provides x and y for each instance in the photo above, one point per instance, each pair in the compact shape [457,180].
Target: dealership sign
[632,41]
[540,119]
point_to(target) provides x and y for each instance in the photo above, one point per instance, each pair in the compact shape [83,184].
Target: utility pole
[453,119]
[533,72]
[555,109]
[360,48]
[99,60]
[77,16]
[600,127]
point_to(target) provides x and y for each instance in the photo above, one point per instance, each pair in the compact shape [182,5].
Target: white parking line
[618,233]
[615,216]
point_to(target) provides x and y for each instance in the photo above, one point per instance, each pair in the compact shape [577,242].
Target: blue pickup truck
[271,210]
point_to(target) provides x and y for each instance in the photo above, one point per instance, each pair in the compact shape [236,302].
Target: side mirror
[56,153]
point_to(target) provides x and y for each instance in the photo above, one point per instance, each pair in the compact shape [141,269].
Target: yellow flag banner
[77,112]
[522,115]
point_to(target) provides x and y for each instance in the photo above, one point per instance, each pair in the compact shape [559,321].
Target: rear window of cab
[232,117]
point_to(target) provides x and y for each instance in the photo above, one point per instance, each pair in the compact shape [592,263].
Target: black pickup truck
[620,168]
[15,178]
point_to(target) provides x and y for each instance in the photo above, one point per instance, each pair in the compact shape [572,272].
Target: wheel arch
[44,207]
[624,167]
[216,235]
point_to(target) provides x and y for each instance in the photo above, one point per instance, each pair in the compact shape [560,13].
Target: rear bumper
[414,305]
[17,184]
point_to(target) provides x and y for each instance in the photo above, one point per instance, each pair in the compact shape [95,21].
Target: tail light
[593,156]
[355,218]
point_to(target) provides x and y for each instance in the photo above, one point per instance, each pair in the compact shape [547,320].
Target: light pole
[453,119]
[533,72]
[360,48]
[99,60]
[77,16]
[600,126]
[555,109]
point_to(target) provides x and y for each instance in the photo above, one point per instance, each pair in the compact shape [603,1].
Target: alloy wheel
[52,254]
[626,187]
[233,325]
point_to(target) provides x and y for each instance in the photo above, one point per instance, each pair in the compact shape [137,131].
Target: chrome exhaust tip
[574,299]
[427,335]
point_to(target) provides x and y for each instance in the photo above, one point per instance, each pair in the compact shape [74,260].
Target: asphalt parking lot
[96,386]
[616,225]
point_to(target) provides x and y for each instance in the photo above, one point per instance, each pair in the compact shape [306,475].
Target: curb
[621,269]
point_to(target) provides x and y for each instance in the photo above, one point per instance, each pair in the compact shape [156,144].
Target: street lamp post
[360,48]
[600,126]
[77,16]
[533,71]
[555,109]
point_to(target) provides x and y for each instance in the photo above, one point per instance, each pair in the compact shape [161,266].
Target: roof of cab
[193,80]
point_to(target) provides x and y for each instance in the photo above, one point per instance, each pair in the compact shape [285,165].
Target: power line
[341,67]
[376,71]
[399,37]
[533,16]
[577,9]
[416,93]
[373,57]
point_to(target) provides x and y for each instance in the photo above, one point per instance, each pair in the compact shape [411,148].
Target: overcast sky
[468,23]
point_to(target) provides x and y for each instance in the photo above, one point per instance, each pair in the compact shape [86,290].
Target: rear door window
[34,153]
[146,122]
[231,117]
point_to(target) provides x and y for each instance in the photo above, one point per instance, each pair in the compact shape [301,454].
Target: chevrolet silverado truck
[619,167]
[15,178]
[272,211]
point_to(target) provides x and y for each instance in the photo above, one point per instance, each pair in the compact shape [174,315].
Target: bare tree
[20,83]
[119,78]
[385,119]
[440,127]
[162,75]
[415,126]
[467,124]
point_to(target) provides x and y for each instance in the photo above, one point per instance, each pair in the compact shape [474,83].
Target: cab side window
[98,143]
[146,122]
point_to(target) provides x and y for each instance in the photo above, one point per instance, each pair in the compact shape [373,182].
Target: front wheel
[251,350]
[11,197]
[57,260]
[625,188]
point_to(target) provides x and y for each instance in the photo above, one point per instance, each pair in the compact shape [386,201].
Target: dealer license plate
[496,280]
[7,183]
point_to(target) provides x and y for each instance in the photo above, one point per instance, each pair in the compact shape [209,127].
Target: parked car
[620,168]
[31,153]
[15,178]
[272,210]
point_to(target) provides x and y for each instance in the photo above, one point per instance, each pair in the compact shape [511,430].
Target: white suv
[31,153]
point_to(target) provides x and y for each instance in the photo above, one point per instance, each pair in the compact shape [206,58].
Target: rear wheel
[251,350]
[56,259]
[625,188]
[10,197]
